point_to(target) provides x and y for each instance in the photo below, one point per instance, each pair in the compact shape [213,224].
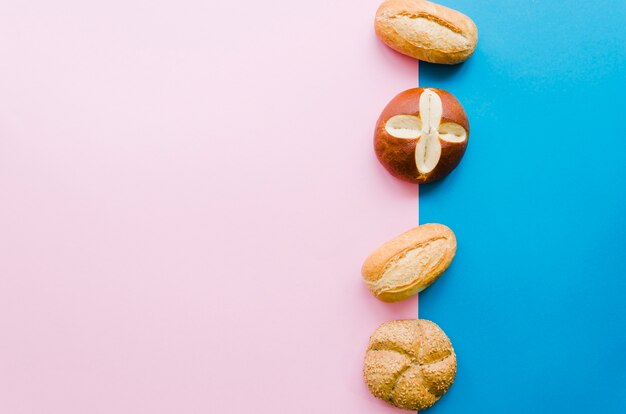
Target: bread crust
[429,248]
[409,364]
[443,35]
[397,155]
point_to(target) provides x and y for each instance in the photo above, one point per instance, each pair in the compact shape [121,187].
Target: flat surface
[188,191]
[534,301]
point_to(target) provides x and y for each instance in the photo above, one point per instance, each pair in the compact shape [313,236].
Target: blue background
[535,299]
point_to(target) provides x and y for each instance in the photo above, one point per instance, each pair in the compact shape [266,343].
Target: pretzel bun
[410,262]
[421,135]
[409,364]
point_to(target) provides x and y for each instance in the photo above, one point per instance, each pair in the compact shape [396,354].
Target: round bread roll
[421,135]
[410,262]
[409,363]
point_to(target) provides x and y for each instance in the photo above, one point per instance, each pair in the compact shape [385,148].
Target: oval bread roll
[410,262]
[409,364]
[426,31]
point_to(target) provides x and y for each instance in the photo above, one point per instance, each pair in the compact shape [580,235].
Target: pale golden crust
[398,155]
[432,245]
[409,363]
[426,31]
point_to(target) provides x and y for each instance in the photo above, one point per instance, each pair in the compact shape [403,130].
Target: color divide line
[417,310]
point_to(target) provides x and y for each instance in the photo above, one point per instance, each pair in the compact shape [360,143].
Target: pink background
[188,191]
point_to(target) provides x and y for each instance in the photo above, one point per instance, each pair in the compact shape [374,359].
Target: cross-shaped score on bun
[421,135]
[427,128]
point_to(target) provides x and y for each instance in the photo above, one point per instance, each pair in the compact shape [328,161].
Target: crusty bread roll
[426,31]
[421,135]
[409,363]
[410,262]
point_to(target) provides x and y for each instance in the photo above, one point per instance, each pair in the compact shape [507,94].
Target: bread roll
[409,363]
[426,31]
[410,262]
[421,135]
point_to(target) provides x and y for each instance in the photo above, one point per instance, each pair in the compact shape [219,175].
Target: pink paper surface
[188,192]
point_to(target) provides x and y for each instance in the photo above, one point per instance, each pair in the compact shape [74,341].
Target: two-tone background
[188,190]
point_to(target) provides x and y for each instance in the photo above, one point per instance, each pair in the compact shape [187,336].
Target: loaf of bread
[410,262]
[409,363]
[426,31]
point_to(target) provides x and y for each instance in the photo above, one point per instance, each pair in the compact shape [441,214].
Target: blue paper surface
[535,300]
